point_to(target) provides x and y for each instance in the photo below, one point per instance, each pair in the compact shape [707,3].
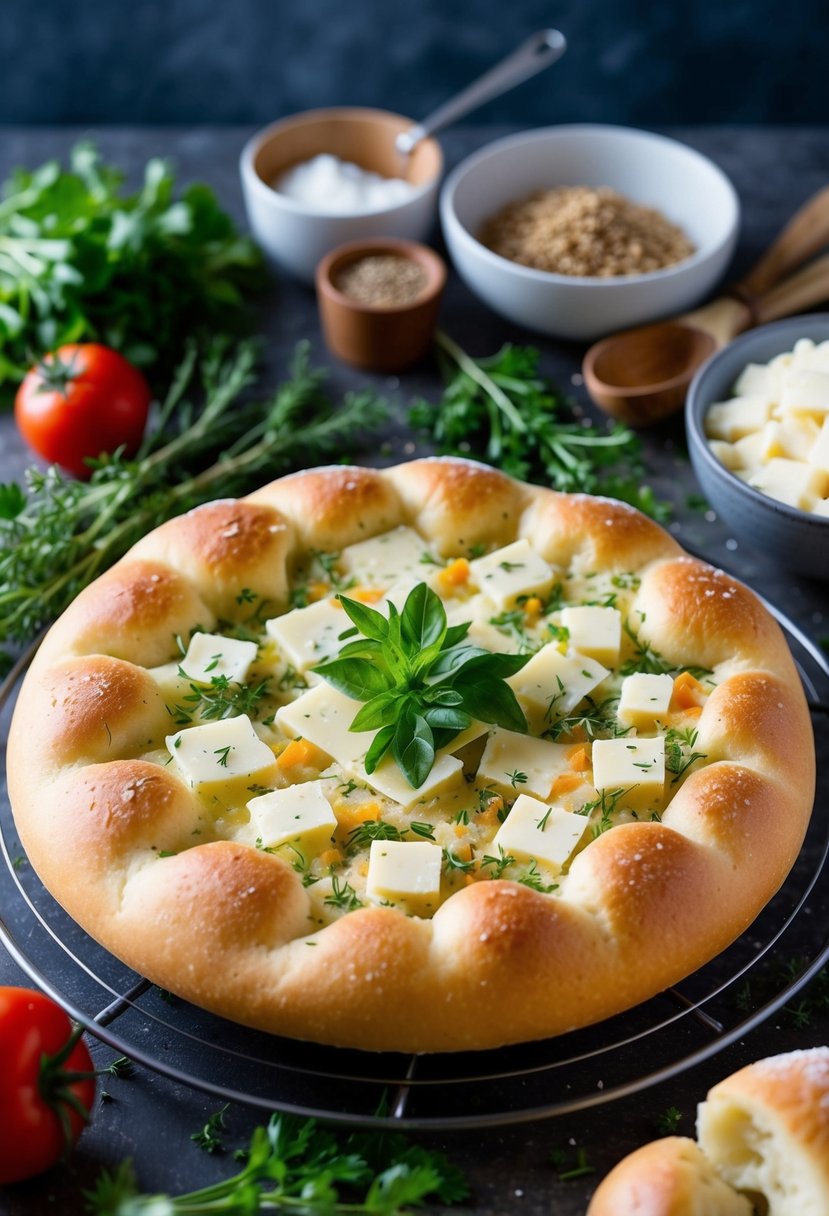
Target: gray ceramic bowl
[791,537]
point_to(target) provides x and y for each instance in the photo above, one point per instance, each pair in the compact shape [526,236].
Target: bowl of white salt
[318,179]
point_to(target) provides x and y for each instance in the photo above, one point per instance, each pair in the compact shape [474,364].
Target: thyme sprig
[209,439]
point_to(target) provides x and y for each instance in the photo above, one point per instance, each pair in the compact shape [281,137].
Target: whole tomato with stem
[81,401]
[47,1083]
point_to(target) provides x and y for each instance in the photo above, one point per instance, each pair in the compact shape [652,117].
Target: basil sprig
[421,680]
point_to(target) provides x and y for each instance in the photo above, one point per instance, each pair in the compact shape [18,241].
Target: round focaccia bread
[172,723]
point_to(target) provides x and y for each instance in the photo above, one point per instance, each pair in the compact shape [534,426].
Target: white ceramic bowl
[649,169]
[296,237]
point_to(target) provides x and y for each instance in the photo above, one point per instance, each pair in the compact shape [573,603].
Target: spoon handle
[531,57]
[806,233]
[802,290]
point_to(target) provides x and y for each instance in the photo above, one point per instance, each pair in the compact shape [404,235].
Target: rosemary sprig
[208,440]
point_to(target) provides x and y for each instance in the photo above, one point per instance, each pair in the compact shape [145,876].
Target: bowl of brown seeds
[578,231]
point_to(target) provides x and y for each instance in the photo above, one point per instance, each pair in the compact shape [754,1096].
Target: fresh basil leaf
[423,620]
[381,744]
[413,747]
[361,648]
[455,634]
[357,678]
[370,622]
[449,660]
[447,717]
[382,710]
[498,666]
[12,500]
[442,696]
[491,700]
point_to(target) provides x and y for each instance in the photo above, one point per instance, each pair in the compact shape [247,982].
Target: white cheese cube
[791,481]
[509,572]
[792,437]
[517,764]
[634,765]
[323,715]
[805,392]
[534,831]
[731,420]
[726,453]
[172,685]
[222,758]
[644,698]
[551,684]
[406,873]
[594,631]
[300,815]
[211,656]
[307,636]
[749,450]
[383,560]
[387,779]
[758,380]
[819,451]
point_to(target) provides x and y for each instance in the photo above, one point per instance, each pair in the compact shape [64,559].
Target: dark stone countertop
[151,1118]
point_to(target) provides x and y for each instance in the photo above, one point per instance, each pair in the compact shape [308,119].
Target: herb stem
[475,372]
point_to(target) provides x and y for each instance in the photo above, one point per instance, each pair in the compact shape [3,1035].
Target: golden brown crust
[224,547]
[669,1177]
[225,925]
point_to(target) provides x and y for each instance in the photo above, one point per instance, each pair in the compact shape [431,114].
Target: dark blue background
[651,62]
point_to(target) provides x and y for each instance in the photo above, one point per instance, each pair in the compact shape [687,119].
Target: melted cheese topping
[265,742]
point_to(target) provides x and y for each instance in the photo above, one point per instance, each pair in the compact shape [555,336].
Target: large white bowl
[296,237]
[649,169]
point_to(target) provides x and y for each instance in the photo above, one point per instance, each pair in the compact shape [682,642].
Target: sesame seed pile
[580,231]
[382,280]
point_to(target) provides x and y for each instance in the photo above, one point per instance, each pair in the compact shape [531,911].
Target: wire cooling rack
[785,948]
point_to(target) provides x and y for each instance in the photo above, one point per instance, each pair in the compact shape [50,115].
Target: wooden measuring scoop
[641,375]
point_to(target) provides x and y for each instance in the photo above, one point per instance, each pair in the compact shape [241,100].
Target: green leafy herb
[222,698]
[209,1137]
[296,1167]
[516,778]
[571,1166]
[533,878]
[452,862]
[667,1124]
[679,753]
[650,661]
[208,441]
[223,753]
[500,863]
[82,261]
[422,682]
[343,895]
[606,805]
[371,829]
[596,719]
[502,410]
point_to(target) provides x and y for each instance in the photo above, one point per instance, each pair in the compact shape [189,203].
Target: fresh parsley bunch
[422,681]
[501,410]
[295,1166]
[81,260]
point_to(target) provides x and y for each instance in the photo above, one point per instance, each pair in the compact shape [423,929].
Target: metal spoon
[531,57]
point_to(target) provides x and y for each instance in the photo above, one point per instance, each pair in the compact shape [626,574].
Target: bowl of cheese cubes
[757,420]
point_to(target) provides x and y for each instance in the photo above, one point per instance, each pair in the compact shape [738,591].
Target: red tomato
[81,401]
[41,1099]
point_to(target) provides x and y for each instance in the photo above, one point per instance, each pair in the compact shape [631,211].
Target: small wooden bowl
[379,337]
